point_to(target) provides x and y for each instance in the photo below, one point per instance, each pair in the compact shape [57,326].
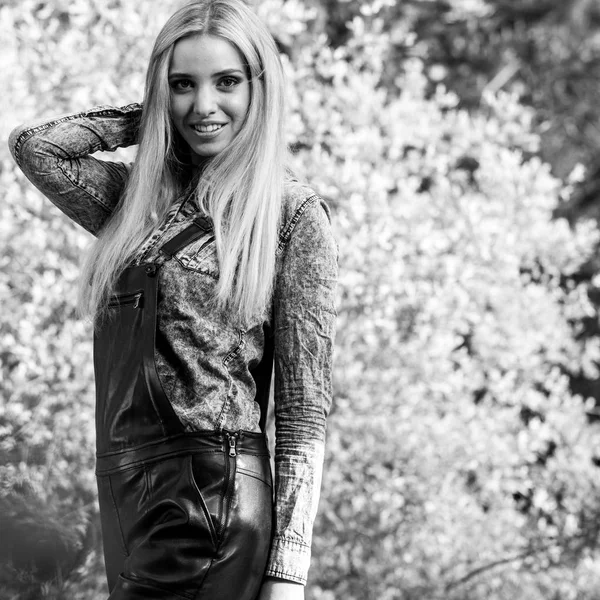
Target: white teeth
[207,128]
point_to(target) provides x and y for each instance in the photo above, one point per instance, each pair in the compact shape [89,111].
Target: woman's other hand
[280,589]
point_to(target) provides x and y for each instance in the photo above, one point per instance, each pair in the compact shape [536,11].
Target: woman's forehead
[205,55]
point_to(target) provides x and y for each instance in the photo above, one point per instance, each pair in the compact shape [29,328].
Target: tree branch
[487,567]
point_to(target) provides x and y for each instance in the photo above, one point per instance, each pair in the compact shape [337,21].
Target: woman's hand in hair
[281,589]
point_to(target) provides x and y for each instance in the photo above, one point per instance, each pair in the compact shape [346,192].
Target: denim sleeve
[55,157]
[304,324]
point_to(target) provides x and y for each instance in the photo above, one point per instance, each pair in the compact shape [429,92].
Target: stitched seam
[235,352]
[137,464]
[117,517]
[286,575]
[84,189]
[285,235]
[232,354]
[27,133]
[242,471]
[288,541]
[159,443]
[101,111]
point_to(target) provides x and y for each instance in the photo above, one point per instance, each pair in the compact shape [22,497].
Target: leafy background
[455,141]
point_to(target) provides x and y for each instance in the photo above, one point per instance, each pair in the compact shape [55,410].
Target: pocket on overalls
[168,529]
[178,507]
[255,466]
[119,495]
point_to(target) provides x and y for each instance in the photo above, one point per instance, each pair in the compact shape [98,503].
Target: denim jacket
[204,357]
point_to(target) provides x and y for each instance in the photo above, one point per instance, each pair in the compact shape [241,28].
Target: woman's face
[210,93]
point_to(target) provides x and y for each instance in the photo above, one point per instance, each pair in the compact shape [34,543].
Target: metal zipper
[125,299]
[231,453]
[232,443]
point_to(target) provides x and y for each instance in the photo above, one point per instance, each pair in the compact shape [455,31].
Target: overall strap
[262,377]
[195,230]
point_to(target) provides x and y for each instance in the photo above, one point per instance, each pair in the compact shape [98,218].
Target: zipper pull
[136,302]
[232,439]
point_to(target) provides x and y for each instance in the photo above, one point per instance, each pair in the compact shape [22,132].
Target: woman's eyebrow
[232,71]
[175,74]
[229,72]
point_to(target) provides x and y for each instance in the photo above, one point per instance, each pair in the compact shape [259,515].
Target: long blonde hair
[241,188]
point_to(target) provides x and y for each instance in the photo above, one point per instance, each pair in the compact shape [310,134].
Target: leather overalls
[184,515]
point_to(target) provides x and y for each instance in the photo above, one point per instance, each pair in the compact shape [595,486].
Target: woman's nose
[205,101]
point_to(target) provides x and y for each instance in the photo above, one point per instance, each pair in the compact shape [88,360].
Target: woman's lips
[207,129]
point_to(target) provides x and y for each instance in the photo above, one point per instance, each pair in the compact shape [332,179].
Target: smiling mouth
[208,128]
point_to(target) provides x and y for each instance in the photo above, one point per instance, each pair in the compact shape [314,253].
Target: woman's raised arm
[55,155]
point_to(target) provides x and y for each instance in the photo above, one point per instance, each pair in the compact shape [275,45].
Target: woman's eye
[228,82]
[181,84]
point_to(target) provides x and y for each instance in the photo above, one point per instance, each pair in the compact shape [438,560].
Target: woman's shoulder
[298,198]
[305,214]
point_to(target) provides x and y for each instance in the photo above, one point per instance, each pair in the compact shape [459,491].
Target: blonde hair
[240,188]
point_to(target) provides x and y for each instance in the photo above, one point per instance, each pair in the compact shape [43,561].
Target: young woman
[212,264]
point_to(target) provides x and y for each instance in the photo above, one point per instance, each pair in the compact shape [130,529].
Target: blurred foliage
[546,51]
[460,462]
